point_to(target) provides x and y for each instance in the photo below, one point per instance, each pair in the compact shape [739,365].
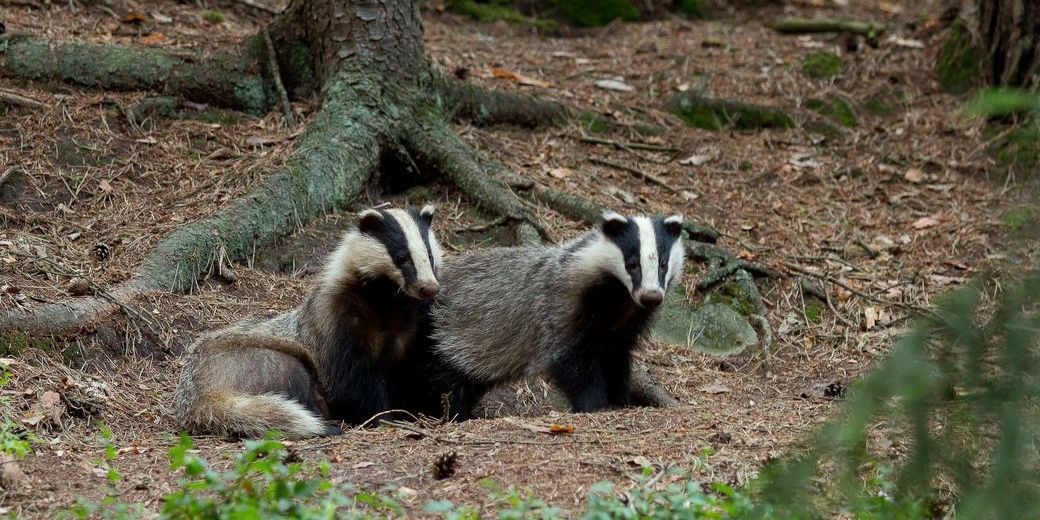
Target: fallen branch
[13,98]
[793,25]
[468,102]
[258,6]
[808,272]
[276,75]
[646,176]
[591,213]
[627,145]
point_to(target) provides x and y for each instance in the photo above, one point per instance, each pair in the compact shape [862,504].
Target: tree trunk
[1010,34]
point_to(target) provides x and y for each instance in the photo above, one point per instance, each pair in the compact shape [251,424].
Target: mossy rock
[733,295]
[958,61]
[835,108]
[822,65]
[596,13]
[499,11]
[712,328]
[708,113]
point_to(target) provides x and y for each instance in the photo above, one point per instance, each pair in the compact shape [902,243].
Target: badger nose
[651,299]
[428,291]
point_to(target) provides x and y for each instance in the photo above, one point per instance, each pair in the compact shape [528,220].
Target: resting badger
[574,312]
[331,356]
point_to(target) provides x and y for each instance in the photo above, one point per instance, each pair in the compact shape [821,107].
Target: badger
[574,312]
[329,358]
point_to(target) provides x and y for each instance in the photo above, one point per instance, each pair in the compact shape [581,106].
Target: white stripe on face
[675,263]
[648,258]
[416,246]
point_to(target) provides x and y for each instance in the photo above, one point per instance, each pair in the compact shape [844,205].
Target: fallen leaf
[906,43]
[924,223]
[695,160]
[914,175]
[744,254]
[152,39]
[518,78]
[870,317]
[560,428]
[640,461]
[714,388]
[161,18]
[560,173]
[614,84]
[135,18]
[105,186]
[804,160]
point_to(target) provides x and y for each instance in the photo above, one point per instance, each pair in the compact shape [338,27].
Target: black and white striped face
[396,243]
[645,253]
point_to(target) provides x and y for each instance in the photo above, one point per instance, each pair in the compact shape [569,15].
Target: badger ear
[612,223]
[427,212]
[369,220]
[673,225]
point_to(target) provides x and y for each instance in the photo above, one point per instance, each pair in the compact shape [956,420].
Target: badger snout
[427,290]
[650,299]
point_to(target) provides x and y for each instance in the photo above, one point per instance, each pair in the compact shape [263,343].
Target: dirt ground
[901,208]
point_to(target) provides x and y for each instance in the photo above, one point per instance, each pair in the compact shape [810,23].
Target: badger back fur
[330,357]
[574,312]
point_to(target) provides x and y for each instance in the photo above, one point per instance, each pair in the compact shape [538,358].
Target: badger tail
[252,416]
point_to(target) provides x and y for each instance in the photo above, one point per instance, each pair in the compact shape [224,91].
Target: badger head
[398,244]
[644,253]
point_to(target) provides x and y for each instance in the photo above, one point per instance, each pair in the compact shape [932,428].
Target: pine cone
[445,464]
[101,251]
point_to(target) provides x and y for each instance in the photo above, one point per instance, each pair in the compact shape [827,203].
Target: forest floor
[902,208]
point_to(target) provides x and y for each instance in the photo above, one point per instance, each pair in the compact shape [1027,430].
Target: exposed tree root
[330,169]
[229,79]
[791,25]
[470,103]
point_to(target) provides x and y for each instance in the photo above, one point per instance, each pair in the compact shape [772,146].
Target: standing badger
[331,356]
[575,312]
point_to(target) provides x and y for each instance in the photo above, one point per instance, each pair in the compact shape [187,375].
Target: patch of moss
[744,166]
[690,7]
[814,311]
[596,13]
[958,62]
[716,114]
[213,17]
[1018,217]
[821,65]
[499,11]
[594,123]
[15,344]
[835,108]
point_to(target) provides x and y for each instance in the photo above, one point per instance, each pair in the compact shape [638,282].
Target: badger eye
[631,263]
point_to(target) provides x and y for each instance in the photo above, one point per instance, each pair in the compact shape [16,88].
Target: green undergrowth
[1014,132]
[958,62]
[15,442]
[499,10]
[835,108]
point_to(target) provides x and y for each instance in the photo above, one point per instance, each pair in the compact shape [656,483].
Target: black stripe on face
[665,240]
[626,238]
[424,224]
[389,233]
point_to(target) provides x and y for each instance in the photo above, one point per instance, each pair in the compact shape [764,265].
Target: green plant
[213,17]
[684,499]
[109,507]
[14,441]
[821,65]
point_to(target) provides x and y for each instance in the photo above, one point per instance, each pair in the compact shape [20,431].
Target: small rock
[12,474]
[79,287]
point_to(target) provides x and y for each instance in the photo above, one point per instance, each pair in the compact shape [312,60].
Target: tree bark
[1010,34]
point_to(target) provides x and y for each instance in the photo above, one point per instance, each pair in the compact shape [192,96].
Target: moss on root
[715,114]
[835,108]
[958,61]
